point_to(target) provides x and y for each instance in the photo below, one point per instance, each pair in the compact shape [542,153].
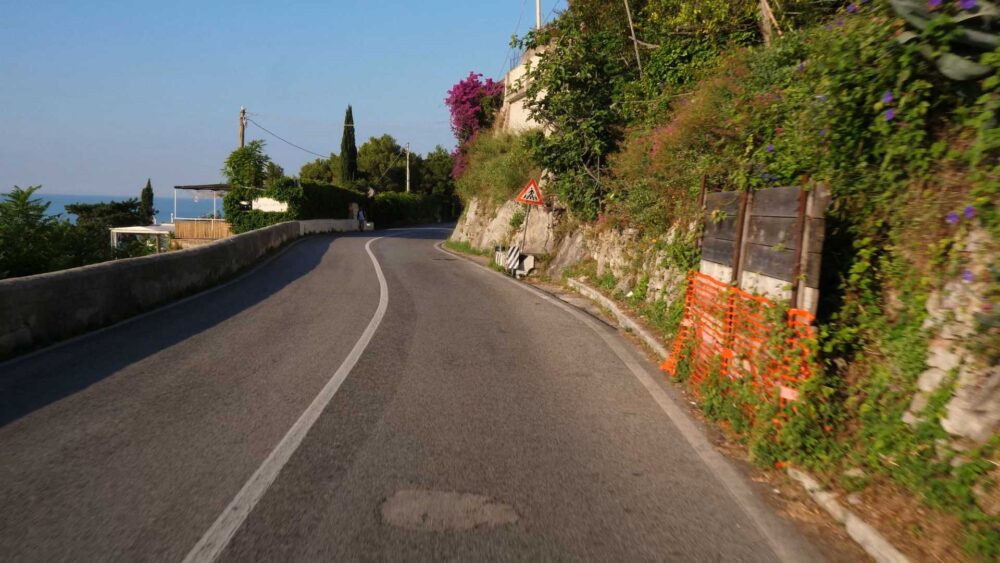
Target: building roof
[144,230]
[205,188]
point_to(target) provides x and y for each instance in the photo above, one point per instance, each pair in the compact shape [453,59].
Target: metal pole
[635,42]
[524,238]
[538,14]
[243,124]
[407,167]
[173,218]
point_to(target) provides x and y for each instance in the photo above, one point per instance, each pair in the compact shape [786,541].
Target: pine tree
[146,210]
[348,150]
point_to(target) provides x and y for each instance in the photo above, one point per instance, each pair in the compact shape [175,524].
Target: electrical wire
[393,163]
[276,136]
[506,56]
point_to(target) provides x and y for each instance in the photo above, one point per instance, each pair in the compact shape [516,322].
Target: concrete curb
[623,319]
[867,537]
[860,531]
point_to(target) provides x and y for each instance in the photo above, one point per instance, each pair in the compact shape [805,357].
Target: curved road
[363,398]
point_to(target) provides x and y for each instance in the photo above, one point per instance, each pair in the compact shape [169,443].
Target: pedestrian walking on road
[361,220]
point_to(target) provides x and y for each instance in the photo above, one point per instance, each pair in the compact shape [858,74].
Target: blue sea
[187,207]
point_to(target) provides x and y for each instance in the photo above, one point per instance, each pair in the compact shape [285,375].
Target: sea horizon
[187,207]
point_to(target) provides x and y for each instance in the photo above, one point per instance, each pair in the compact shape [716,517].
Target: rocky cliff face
[484,226]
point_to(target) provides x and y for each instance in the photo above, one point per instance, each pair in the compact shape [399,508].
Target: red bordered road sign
[531,195]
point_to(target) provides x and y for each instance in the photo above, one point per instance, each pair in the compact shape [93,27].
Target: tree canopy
[247,166]
[381,162]
[348,150]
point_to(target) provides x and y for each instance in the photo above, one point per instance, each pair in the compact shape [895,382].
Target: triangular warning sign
[531,195]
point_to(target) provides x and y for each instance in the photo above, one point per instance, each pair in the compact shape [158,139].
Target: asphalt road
[362,399]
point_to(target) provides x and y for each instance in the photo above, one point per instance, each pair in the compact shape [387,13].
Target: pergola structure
[156,231]
[214,189]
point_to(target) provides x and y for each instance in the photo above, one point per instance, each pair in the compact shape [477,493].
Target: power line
[276,136]
[517,28]
[393,163]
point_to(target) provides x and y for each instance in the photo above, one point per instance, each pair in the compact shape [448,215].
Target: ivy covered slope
[859,96]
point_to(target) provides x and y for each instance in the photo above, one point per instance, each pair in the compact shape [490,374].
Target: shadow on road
[33,382]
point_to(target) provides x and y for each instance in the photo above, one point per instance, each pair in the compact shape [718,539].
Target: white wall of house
[516,116]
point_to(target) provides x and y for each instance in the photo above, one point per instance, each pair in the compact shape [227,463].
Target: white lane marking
[784,544]
[215,540]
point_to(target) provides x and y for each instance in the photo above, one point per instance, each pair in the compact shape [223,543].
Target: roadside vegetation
[327,187]
[32,241]
[844,94]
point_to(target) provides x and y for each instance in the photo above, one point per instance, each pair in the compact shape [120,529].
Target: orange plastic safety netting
[727,327]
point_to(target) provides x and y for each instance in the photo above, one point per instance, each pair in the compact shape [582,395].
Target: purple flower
[951,218]
[840,23]
[933,4]
[801,67]
[821,97]
[890,114]
[852,8]
[887,98]
[969,212]
[770,147]
[822,132]
[967,4]
[968,276]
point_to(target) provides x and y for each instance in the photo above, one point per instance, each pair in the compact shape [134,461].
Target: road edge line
[217,537]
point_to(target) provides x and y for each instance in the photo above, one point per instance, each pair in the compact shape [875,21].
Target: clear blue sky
[97,96]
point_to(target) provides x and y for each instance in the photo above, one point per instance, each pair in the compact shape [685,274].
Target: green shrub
[393,209]
[307,199]
[499,166]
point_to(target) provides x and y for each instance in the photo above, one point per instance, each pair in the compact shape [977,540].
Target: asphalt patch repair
[442,511]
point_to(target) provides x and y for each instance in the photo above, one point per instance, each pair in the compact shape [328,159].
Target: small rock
[941,355]
[916,407]
[959,461]
[930,380]
[855,473]
[854,499]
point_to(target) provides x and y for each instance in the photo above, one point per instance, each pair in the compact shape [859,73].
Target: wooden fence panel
[205,230]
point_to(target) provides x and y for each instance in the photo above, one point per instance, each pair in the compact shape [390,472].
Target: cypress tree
[146,210]
[348,150]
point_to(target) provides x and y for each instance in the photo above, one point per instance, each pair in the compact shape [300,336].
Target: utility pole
[243,124]
[635,42]
[407,167]
[538,14]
